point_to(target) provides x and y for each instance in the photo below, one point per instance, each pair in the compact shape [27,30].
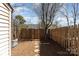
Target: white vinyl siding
[4,30]
[3,20]
[3,17]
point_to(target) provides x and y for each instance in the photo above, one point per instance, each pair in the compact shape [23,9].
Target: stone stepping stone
[36,50]
[37,55]
[37,47]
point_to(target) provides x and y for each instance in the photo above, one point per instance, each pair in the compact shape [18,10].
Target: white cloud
[19,9]
[36,4]
[31,20]
[63,21]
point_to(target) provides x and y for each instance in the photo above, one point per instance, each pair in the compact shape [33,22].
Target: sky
[27,11]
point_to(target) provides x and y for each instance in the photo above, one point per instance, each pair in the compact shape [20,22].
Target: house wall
[5,29]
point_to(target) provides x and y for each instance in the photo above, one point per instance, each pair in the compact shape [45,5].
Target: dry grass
[25,48]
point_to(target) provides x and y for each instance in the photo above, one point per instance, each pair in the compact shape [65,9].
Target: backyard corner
[45,29]
[39,29]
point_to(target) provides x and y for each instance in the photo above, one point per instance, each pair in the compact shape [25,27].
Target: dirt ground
[24,48]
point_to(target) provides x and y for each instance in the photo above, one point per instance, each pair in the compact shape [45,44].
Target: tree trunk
[45,34]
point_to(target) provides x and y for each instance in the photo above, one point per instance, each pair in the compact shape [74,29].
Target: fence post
[78,40]
[69,39]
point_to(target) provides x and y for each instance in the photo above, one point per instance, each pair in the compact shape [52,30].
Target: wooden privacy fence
[67,38]
[31,34]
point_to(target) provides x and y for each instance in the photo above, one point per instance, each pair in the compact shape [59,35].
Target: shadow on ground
[52,49]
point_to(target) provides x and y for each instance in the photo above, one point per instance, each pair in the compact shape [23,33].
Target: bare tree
[75,15]
[65,14]
[47,13]
[75,12]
